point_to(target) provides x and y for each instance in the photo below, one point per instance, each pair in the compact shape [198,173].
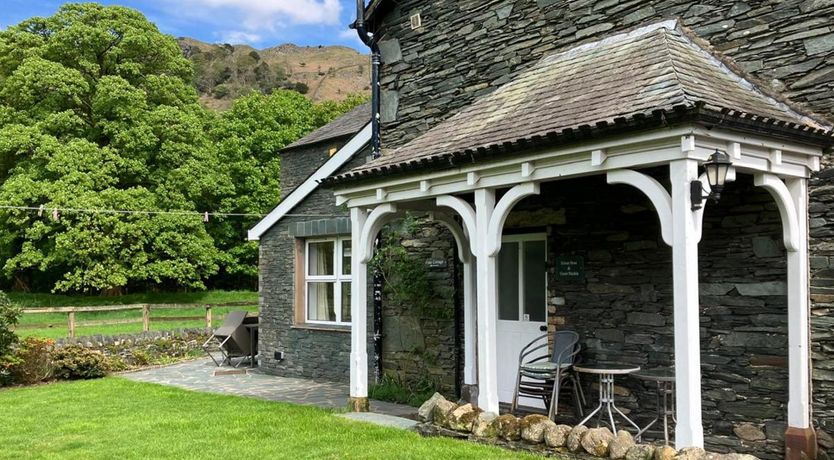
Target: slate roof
[346,125]
[655,72]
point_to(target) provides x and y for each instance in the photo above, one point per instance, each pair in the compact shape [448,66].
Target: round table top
[659,374]
[606,368]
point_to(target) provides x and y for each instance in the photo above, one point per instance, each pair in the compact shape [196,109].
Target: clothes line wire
[56,210]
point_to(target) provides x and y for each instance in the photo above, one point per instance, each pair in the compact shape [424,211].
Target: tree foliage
[98,110]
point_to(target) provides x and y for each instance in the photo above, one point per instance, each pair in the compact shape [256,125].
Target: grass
[58,321]
[118,418]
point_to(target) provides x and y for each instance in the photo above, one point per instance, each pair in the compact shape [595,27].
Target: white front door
[522,305]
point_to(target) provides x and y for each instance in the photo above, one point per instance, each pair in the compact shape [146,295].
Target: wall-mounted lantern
[716,170]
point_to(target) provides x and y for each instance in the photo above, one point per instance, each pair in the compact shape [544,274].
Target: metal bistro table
[665,379]
[606,374]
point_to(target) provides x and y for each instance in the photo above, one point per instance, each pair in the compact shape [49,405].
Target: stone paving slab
[381,419]
[200,376]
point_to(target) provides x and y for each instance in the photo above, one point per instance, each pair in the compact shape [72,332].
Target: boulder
[441,412]
[556,435]
[664,453]
[620,445]
[534,426]
[462,418]
[509,427]
[749,432]
[691,453]
[596,441]
[640,452]
[425,411]
[574,441]
[484,425]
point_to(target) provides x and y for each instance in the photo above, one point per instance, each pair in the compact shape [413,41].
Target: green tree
[248,137]
[97,110]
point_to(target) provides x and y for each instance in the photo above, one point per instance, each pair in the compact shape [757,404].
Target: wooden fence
[146,318]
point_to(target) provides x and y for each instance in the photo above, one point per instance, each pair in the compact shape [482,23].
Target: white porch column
[358,401]
[799,414]
[689,431]
[470,367]
[487,289]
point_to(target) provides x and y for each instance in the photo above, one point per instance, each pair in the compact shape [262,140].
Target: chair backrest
[232,322]
[564,345]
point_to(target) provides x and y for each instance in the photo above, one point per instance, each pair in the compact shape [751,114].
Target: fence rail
[145,320]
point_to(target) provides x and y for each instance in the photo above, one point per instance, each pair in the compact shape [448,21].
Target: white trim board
[354,145]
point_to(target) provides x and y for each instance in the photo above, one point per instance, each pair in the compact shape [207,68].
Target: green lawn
[117,418]
[58,321]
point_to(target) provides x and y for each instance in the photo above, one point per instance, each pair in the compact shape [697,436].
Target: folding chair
[544,376]
[232,339]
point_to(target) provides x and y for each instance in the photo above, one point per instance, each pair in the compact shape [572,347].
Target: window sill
[321,327]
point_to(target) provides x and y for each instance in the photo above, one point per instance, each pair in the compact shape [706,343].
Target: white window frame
[521,239]
[338,278]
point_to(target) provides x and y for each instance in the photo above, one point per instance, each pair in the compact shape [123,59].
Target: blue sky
[260,23]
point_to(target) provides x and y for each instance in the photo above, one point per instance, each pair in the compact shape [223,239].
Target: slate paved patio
[200,376]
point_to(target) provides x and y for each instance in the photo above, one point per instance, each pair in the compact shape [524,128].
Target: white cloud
[271,14]
[237,37]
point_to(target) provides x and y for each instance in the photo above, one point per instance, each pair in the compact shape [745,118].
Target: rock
[573,442]
[664,453]
[691,453]
[596,441]
[424,413]
[620,445]
[442,411]
[640,452]
[484,425]
[463,417]
[749,432]
[508,427]
[556,435]
[534,426]
[825,440]
[731,457]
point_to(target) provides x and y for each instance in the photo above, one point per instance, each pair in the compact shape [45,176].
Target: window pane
[320,259]
[320,302]
[346,253]
[508,282]
[345,302]
[534,280]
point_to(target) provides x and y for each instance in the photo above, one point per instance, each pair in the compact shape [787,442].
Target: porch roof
[654,76]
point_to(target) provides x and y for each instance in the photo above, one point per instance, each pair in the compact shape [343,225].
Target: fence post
[71,324]
[208,316]
[146,318]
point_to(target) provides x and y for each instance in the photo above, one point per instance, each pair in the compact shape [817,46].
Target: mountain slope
[223,71]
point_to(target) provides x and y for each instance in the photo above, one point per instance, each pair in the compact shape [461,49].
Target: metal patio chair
[544,376]
[231,339]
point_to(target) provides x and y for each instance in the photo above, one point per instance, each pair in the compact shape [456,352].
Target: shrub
[32,363]
[74,362]
[9,316]
[394,388]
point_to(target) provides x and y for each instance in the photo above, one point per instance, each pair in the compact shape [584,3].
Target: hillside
[223,71]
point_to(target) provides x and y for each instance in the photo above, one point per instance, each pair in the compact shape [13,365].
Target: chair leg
[514,405]
[578,383]
[554,398]
[577,400]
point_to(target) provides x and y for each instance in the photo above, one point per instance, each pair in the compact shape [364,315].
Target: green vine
[406,276]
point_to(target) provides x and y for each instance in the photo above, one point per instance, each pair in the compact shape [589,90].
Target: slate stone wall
[469,48]
[623,307]
[419,346]
[311,352]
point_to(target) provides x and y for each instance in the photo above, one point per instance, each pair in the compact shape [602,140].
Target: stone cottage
[546,134]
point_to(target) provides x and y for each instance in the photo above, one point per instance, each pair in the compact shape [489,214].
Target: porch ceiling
[654,76]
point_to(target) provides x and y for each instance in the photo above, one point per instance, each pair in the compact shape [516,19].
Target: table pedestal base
[606,404]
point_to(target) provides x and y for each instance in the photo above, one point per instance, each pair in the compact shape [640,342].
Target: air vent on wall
[416,21]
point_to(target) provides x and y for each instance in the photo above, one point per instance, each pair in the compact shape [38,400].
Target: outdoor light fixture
[716,169]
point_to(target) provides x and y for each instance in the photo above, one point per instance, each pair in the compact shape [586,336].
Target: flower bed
[540,434]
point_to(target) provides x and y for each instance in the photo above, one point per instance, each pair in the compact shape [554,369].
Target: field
[58,321]
[94,420]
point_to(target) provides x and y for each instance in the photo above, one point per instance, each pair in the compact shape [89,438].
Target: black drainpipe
[369,40]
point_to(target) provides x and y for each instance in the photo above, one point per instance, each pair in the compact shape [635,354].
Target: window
[522,278]
[327,281]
